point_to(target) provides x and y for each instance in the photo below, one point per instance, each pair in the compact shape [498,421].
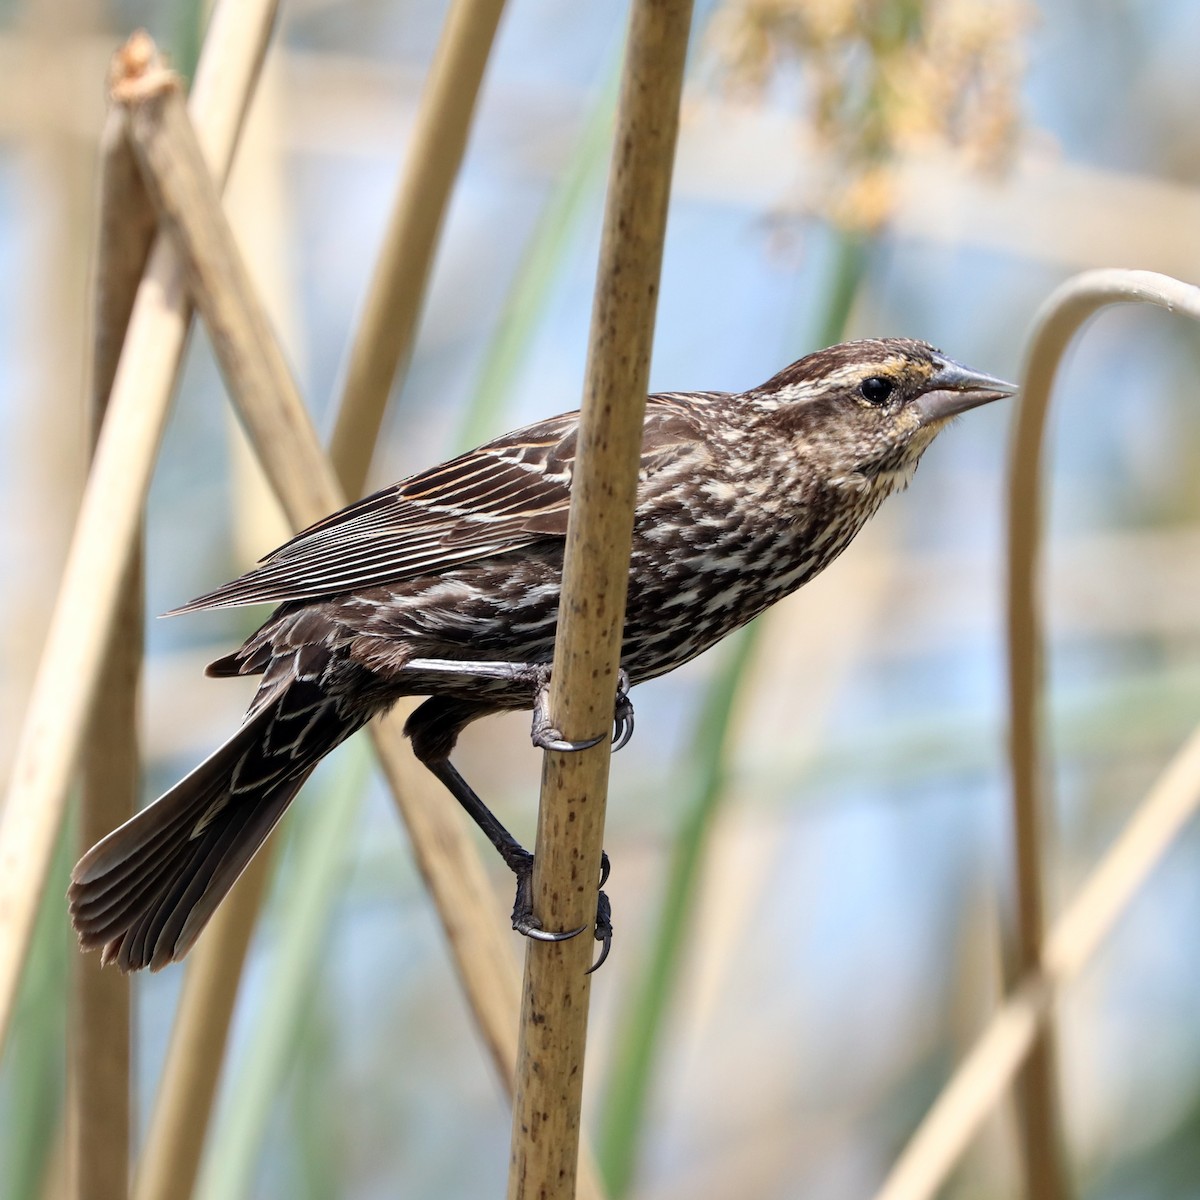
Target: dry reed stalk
[302,477]
[252,360]
[1038,1108]
[183,1106]
[979,1083]
[1018,1028]
[244,342]
[126,234]
[100,1034]
[554,1004]
[109,517]
[1037,1099]
[387,328]
[190,1079]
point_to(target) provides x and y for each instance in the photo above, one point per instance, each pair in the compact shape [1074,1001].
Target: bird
[446,585]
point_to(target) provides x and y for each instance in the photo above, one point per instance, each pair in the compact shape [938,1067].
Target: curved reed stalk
[1049,962]
[554,1008]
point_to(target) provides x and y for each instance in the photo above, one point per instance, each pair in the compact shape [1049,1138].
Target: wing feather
[487,502]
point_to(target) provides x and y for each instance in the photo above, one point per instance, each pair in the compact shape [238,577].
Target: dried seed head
[879,80]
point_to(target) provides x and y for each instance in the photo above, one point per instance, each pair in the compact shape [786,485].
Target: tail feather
[101,893]
[174,930]
[144,893]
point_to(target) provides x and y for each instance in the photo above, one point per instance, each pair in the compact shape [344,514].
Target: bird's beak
[953,389]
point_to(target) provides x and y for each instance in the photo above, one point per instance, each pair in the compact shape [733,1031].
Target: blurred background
[928,168]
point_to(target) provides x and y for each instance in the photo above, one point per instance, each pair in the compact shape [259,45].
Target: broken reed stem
[554,1006]
[99,1101]
[300,473]
[1017,1029]
[109,518]
[387,329]
[247,350]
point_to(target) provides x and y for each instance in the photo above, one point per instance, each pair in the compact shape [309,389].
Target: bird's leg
[537,676]
[520,862]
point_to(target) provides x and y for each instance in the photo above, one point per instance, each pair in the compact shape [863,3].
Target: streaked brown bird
[447,585]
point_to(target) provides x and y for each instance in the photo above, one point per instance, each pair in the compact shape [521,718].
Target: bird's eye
[876,389]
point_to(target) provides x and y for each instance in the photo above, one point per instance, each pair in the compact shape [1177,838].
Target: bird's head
[864,412]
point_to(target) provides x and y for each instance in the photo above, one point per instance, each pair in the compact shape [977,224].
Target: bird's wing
[490,501]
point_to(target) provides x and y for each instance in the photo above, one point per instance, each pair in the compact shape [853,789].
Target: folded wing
[490,501]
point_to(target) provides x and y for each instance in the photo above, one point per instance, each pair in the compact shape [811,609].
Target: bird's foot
[528,925]
[547,736]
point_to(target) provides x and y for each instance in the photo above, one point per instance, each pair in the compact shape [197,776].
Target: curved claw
[604,931]
[603,955]
[523,920]
[525,923]
[623,713]
[545,935]
[622,727]
[551,739]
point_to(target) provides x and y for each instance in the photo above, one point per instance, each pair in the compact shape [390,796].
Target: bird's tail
[145,892]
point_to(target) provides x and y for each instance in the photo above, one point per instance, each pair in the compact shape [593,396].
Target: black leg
[434,728]
[517,858]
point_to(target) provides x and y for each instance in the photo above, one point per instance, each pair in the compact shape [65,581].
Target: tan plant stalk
[185,1098]
[982,1078]
[246,348]
[260,382]
[554,1005]
[106,531]
[1038,1102]
[1038,1109]
[301,475]
[388,326]
[179,1123]
[99,1043]
[1016,1030]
